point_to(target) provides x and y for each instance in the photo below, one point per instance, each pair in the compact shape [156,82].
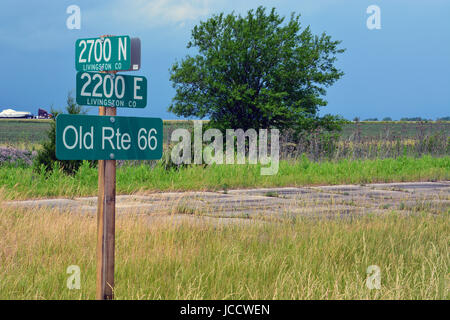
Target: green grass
[21,182]
[303,259]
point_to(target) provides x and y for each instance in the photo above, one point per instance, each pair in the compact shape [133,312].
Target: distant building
[13,114]
[42,114]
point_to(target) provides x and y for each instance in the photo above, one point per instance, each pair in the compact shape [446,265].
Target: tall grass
[413,140]
[22,182]
[305,259]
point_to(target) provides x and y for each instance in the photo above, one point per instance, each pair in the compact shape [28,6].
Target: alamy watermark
[74,280]
[373,280]
[213,153]
[74,19]
[374,20]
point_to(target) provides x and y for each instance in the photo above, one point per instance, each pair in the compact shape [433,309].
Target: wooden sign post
[106,137]
[106,219]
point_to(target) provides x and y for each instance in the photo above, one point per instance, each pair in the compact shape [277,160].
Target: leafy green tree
[256,72]
[47,155]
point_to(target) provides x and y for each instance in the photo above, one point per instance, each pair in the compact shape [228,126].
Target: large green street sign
[107,54]
[82,137]
[109,90]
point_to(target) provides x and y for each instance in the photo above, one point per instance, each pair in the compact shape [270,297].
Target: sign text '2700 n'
[104,54]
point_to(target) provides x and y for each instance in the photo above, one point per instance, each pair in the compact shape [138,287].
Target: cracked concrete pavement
[248,205]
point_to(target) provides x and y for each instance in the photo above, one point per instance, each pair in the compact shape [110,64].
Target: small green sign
[82,137]
[103,54]
[109,90]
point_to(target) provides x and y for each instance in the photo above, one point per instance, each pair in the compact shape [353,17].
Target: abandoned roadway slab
[269,203]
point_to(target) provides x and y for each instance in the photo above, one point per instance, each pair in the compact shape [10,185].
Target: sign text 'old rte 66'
[83,137]
[108,53]
[111,90]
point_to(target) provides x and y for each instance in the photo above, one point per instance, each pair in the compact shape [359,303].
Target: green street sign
[108,54]
[109,90]
[82,137]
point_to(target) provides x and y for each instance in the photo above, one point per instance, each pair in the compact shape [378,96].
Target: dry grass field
[179,259]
